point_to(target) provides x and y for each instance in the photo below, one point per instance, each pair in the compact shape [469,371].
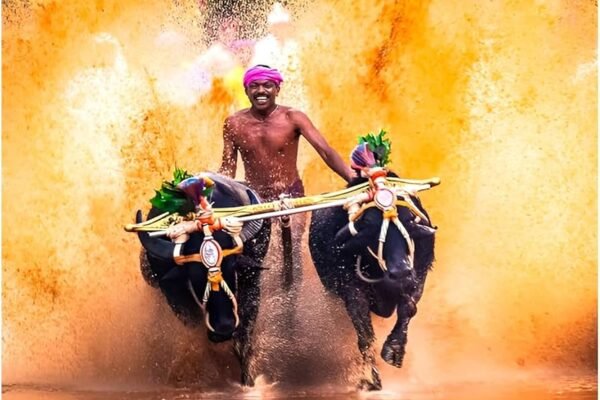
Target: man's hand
[285,203]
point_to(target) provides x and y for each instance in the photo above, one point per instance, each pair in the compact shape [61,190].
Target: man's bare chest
[272,135]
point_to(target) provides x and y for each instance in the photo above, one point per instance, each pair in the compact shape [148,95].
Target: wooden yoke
[159,224]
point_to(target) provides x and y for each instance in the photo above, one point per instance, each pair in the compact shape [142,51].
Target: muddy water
[559,388]
[101,99]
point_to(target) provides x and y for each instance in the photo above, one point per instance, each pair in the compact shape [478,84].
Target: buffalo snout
[401,276]
[218,337]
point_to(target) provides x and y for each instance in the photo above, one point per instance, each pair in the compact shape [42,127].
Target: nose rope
[380,260]
[382,235]
[194,295]
[361,275]
[408,239]
[231,296]
[217,279]
[211,255]
[206,293]
[201,304]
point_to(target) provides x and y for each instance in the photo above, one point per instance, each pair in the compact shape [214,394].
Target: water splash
[95,116]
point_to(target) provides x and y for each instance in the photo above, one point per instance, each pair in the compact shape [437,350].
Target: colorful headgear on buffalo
[197,187]
[362,157]
[183,194]
[262,72]
[372,151]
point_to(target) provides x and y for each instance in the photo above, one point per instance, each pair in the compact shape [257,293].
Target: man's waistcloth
[271,193]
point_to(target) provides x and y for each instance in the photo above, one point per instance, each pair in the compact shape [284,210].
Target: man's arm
[229,160]
[327,153]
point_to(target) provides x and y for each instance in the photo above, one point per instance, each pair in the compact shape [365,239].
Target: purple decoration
[193,187]
[362,157]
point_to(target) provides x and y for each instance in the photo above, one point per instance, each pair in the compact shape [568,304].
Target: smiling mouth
[261,99]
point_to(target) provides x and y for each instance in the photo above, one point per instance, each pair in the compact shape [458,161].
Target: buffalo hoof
[393,352]
[247,379]
[371,384]
[367,385]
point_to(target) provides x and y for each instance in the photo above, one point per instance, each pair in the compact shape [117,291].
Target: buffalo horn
[158,248]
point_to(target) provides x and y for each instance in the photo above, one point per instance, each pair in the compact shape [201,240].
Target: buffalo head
[383,250]
[196,286]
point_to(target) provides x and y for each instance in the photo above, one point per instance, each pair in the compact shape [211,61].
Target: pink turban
[260,72]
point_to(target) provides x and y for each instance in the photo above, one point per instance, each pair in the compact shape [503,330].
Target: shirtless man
[267,135]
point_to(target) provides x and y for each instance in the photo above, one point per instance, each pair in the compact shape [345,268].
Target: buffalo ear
[418,231]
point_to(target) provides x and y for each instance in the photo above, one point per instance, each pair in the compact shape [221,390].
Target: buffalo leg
[394,348]
[248,309]
[291,275]
[357,305]
[248,303]
[288,256]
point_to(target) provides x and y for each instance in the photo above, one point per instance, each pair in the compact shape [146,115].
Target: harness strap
[180,260]
[352,228]
[361,275]
[404,203]
[194,295]
[231,296]
[206,293]
[382,235]
[202,304]
[408,239]
[411,205]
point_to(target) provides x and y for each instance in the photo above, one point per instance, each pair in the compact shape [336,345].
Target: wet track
[558,388]
[294,370]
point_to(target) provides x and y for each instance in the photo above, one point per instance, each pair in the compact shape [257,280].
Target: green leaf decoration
[171,199]
[379,145]
[179,175]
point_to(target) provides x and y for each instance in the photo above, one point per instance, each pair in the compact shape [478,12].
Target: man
[267,135]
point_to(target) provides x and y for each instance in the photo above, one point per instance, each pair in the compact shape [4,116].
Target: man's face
[262,93]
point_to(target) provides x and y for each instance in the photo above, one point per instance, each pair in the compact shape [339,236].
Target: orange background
[496,98]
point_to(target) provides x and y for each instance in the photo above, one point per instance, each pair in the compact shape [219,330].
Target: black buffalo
[184,285]
[348,269]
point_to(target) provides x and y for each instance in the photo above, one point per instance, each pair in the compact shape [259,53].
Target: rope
[356,208]
[382,235]
[360,274]
[193,292]
[231,296]
[409,241]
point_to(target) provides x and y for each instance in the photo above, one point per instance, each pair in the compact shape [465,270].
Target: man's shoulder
[237,116]
[292,112]
[297,117]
